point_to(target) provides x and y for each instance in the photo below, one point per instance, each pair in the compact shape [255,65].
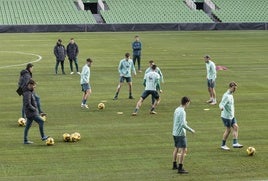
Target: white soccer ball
[251,151]
[22,122]
[101,106]
[50,141]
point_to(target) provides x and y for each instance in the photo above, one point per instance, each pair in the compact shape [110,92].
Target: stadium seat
[19,12]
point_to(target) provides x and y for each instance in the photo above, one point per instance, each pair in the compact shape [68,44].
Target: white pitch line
[7,66]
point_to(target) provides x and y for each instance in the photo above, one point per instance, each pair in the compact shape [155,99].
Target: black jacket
[25,76]
[29,103]
[60,52]
[72,51]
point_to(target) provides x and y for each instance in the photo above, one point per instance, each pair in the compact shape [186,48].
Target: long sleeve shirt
[136,47]
[179,122]
[227,104]
[125,68]
[85,75]
[211,70]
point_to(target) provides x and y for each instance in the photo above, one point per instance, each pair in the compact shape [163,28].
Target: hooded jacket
[72,51]
[29,103]
[25,76]
[59,52]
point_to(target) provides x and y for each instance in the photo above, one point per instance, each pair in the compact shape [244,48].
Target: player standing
[179,134]
[211,79]
[84,81]
[136,48]
[125,68]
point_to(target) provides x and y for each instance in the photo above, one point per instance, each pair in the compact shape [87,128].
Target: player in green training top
[179,134]
[84,81]
[151,81]
[125,69]
[228,117]
[211,79]
[151,63]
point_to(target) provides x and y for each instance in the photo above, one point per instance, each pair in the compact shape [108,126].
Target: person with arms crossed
[179,134]
[228,117]
[31,111]
[84,81]
[151,81]
[211,79]
[125,68]
[136,49]
[72,53]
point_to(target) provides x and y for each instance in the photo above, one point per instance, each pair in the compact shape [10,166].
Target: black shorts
[122,79]
[180,141]
[146,93]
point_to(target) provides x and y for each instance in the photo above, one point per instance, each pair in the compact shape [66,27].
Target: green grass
[122,147]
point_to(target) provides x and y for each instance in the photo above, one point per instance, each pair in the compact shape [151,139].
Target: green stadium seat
[241,10]
[19,12]
[142,12]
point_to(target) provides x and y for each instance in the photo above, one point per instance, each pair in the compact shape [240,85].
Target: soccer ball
[251,151]
[101,105]
[22,122]
[50,141]
[66,137]
[77,135]
[44,118]
[74,137]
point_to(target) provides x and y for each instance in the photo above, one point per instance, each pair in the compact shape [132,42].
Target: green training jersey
[149,69]
[125,68]
[151,80]
[211,70]
[85,74]
[227,104]
[179,122]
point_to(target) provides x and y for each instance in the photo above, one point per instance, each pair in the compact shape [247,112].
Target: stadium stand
[152,11]
[34,12]
[129,15]
[241,10]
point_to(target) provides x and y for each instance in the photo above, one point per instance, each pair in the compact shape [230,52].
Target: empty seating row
[26,12]
[241,10]
[151,11]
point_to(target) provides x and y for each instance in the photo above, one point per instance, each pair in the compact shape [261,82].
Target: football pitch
[120,147]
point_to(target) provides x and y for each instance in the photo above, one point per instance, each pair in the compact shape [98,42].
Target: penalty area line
[22,53]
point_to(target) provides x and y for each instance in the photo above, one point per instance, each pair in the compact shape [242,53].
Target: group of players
[152,78]
[227,115]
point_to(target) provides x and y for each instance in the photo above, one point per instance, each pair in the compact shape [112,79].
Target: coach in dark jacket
[25,77]
[72,53]
[31,111]
[60,54]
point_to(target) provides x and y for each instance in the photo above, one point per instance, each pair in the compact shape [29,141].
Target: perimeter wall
[132,27]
